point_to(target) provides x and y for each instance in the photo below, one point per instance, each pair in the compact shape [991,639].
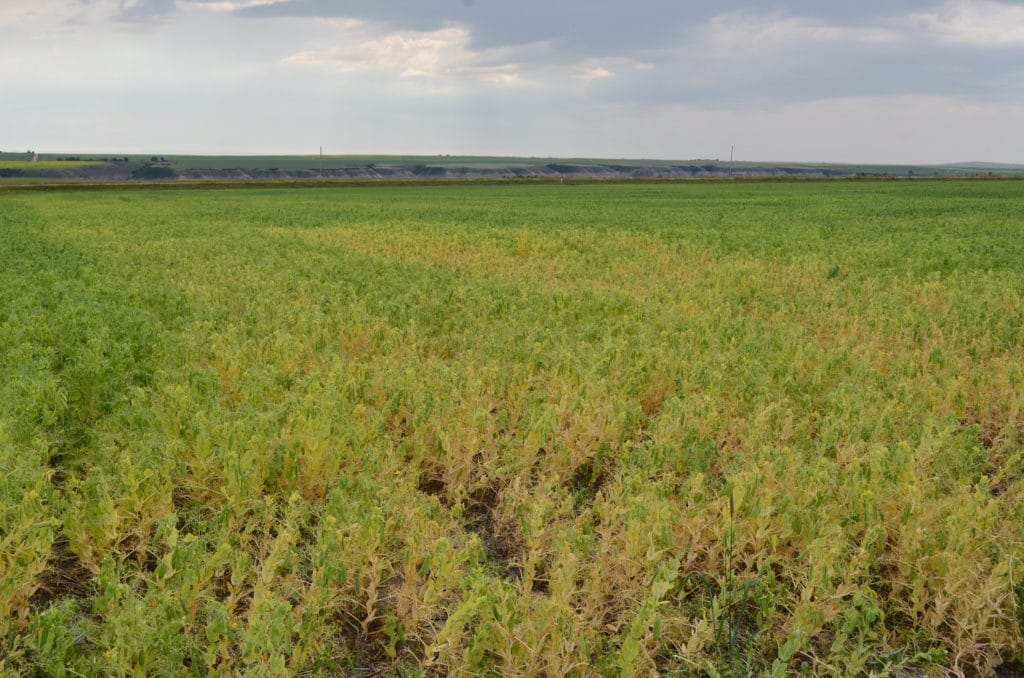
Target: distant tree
[149,172]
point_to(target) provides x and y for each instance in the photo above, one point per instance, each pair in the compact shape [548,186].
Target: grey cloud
[816,72]
[586,26]
[143,11]
[674,35]
[725,59]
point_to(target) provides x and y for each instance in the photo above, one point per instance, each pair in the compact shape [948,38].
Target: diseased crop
[617,430]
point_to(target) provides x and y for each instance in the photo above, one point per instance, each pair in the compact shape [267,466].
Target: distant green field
[44,164]
[708,429]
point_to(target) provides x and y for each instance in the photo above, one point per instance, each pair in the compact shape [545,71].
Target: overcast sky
[868,81]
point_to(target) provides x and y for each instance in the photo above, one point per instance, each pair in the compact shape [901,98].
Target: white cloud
[410,54]
[594,73]
[39,16]
[444,53]
[743,32]
[976,23]
[233,5]
[973,22]
[345,23]
[505,74]
[608,67]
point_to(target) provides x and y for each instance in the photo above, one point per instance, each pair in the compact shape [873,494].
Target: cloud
[980,23]
[409,54]
[743,32]
[443,53]
[699,50]
[232,5]
[750,57]
[500,72]
[143,11]
[604,68]
[583,27]
[594,73]
[579,29]
[973,23]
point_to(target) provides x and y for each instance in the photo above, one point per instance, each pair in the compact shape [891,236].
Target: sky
[893,81]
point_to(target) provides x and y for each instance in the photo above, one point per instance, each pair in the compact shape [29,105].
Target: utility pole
[732,151]
[321,162]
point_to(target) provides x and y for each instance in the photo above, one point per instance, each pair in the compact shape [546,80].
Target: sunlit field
[597,430]
[43,164]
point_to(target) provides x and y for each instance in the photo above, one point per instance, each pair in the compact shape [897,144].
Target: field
[619,430]
[44,164]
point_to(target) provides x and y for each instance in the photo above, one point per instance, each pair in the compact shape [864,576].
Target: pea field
[679,429]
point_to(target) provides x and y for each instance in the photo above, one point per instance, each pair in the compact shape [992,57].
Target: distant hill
[12,157]
[994,166]
[104,167]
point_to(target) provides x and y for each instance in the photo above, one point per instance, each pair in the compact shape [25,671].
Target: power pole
[321,162]
[732,151]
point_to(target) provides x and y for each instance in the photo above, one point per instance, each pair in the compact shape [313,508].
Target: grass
[694,429]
